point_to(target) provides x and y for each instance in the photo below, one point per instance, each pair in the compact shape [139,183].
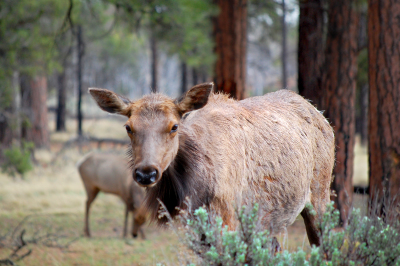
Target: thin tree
[80,53]
[183,78]
[62,93]
[384,98]
[339,92]
[284,46]
[311,50]
[230,47]
[154,64]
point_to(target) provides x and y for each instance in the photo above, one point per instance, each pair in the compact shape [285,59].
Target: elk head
[153,127]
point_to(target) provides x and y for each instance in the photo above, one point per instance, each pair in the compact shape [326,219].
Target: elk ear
[195,98]
[110,101]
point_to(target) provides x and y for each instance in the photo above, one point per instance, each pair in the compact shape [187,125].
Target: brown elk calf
[276,149]
[109,173]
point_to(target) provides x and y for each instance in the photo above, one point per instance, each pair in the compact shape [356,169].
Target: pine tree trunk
[339,92]
[310,50]
[230,47]
[284,46]
[184,78]
[154,65]
[62,91]
[81,50]
[363,102]
[61,108]
[194,77]
[34,109]
[384,98]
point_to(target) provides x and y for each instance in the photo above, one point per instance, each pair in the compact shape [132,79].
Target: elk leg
[126,220]
[311,223]
[91,195]
[275,245]
[139,218]
[142,233]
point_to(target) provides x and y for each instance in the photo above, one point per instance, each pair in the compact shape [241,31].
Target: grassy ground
[53,197]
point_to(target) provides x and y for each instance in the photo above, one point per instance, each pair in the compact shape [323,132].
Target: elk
[109,173]
[277,150]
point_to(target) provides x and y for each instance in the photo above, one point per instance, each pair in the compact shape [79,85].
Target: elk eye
[174,128]
[128,129]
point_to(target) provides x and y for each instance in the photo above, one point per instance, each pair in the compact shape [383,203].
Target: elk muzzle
[146,176]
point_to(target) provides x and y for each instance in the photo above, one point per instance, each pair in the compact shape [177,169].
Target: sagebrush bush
[366,240]
[17,159]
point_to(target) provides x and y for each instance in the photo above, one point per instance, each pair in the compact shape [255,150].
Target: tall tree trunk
[339,89]
[81,51]
[195,78]
[61,108]
[384,98]
[62,92]
[34,108]
[230,47]
[284,46]
[363,119]
[310,50]
[154,64]
[184,78]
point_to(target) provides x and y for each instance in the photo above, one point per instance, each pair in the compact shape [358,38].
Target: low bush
[17,160]
[366,240]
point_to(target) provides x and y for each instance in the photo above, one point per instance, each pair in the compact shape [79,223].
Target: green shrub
[365,241]
[18,159]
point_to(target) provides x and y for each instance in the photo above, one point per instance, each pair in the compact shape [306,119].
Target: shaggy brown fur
[109,173]
[276,149]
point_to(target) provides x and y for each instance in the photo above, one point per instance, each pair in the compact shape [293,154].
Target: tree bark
[230,47]
[194,77]
[384,98]
[34,108]
[81,51]
[310,50]
[363,115]
[184,78]
[62,91]
[154,64]
[61,108]
[339,92]
[284,46]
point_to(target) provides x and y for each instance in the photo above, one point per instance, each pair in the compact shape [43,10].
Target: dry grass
[54,195]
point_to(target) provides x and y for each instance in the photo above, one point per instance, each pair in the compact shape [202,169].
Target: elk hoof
[134,235]
[275,245]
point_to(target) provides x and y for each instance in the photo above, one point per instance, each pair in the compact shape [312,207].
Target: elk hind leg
[91,195]
[311,222]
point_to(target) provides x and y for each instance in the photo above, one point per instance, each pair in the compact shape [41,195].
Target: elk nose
[146,177]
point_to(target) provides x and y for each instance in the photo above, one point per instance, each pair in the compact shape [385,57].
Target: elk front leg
[126,221]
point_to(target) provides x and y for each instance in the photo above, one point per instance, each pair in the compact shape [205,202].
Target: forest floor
[50,201]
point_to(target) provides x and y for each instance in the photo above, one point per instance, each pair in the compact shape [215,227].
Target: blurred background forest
[343,55]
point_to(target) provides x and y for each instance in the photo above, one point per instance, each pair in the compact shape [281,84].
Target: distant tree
[80,43]
[311,50]
[384,98]
[339,92]
[184,82]
[27,40]
[34,109]
[64,47]
[284,45]
[154,63]
[230,47]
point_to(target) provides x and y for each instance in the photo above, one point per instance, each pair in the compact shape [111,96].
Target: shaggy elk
[109,173]
[276,150]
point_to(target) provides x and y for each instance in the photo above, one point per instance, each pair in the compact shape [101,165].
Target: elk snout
[146,176]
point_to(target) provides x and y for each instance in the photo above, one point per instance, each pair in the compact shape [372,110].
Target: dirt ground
[51,200]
